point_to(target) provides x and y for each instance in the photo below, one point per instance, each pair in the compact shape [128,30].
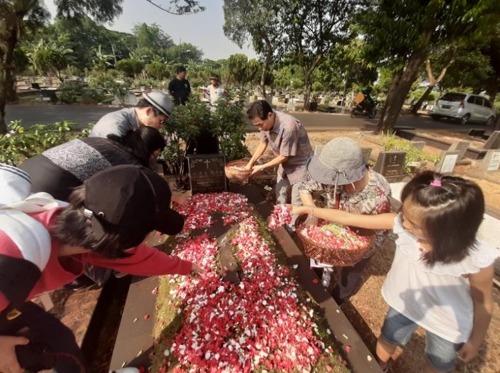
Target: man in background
[179,87]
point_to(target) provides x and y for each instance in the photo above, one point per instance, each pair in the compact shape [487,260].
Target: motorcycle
[360,111]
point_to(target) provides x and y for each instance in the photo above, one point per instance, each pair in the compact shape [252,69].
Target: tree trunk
[432,82]
[265,67]
[418,105]
[7,79]
[396,99]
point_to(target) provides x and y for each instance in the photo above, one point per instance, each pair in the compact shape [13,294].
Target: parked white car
[464,107]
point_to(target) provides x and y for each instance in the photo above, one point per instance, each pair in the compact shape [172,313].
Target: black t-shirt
[180,90]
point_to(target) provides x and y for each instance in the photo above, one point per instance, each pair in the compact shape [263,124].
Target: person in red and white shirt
[45,245]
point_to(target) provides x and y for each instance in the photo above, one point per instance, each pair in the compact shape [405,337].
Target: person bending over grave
[44,245]
[290,144]
[152,110]
[59,170]
[340,174]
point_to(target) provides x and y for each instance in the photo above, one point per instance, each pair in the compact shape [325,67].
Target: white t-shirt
[214,93]
[436,298]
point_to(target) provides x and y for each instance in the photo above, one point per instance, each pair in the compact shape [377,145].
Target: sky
[203,30]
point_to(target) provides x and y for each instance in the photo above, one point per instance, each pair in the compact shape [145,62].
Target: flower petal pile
[334,236]
[258,324]
[281,215]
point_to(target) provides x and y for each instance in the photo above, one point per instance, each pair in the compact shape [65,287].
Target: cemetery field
[366,309]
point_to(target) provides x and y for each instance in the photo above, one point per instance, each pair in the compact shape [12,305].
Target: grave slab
[460,146]
[491,162]
[391,165]
[206,173]
[448,161]
[493,141]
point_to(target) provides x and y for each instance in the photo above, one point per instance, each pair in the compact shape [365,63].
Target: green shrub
[184,125]
[21,143]
[414,155]
[69,92]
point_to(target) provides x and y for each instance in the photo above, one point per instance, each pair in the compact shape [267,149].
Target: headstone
[206,173]
[418,144]
[491,161]
[448,161]
[460,146]
[318,149]
[391,165]
[493,141]
[476,133]
[367,152]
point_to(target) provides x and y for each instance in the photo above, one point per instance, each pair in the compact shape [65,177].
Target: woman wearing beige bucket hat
[340,173]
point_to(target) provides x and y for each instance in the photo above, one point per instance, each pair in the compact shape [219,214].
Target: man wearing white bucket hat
[152,110]
[340,173]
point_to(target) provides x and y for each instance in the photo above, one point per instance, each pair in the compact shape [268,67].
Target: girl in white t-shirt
[442,277]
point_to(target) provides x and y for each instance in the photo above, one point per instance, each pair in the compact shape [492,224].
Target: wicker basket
[337,257]
[237,175]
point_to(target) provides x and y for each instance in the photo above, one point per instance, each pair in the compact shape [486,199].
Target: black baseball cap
[131,201]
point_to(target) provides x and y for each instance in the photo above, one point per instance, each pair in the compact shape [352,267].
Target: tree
[17,16]
[238,69]
[183,53]
[52,61]
[256,20]
[400,33]
[151,37]
[130,67]
[311,29]
[156,70]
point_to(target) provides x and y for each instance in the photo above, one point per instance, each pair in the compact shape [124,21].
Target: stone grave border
[135,340]
[472,153]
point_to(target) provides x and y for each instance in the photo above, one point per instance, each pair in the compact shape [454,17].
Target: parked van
[464,107]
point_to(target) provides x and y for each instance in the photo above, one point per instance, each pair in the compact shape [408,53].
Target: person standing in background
[215,90]
[179,87]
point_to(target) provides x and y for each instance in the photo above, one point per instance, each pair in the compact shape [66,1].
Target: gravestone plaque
[366,153]
[491,161]
[206,173]
[493,141]
[460,146]
[391,165]
[448,161]
[418,144]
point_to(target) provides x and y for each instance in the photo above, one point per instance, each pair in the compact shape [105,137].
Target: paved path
[83,115]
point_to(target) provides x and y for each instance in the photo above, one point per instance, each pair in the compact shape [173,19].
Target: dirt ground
[366,309]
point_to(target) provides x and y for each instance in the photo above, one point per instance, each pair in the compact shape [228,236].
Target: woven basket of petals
[336,245]
[235,171]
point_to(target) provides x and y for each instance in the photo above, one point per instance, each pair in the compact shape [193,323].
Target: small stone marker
[391,165]
[228,265]
[206,173]
[448,161]
[367,152]
[318,149]
[460,146]
[491,161]
[493,141]
[418,144]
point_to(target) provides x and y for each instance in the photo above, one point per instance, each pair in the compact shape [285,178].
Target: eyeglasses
[260,124]
[163,121]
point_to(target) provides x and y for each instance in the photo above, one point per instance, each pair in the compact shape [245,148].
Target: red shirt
[143,261]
